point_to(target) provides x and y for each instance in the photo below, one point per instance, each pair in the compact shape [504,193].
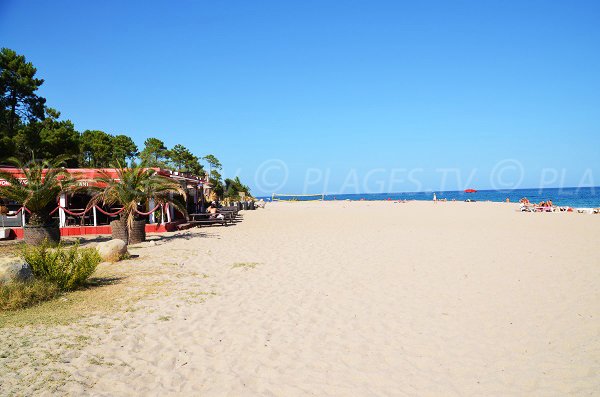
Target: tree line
[29,129]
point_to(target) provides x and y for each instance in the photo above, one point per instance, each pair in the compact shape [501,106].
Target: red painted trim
[92,173]
[17,232]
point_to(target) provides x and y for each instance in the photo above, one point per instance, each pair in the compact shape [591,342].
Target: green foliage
[48,139]
[212,161]
[20,295]
[29,129]
[214,176]
[18,101]
[214,179]
[230,189]
[6,146]
[99,149]
[96,149]
[123,149]
[66,267]
[57,138]
[233,188]
[25,142]
[155,153]
[181,159]
[158,216]
[218,188]
[134,186]
[45,182]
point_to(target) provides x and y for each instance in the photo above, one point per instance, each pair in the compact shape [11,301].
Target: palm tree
[44,182]
[133,187]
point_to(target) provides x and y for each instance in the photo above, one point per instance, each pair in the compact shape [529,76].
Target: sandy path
[358,299]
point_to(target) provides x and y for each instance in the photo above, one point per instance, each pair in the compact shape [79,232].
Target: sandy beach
[337,299]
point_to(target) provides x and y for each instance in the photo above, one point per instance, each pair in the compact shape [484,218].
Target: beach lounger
[585,210]
[229,215]
[233,209]
[206,219]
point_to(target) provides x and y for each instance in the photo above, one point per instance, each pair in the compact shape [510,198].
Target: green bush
[19,295]
[66,267]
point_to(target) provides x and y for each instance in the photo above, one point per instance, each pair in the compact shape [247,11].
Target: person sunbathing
[214,211]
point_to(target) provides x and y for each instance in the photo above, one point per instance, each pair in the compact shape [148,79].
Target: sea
[577,197]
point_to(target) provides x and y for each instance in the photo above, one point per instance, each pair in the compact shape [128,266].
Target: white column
[151,205]
[170,212]
[162,214]
[95,216]
[62,218]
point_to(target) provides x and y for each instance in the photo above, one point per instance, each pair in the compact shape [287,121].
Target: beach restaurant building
[76,219]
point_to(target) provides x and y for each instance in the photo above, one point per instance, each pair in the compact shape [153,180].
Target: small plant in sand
[244,265]
[19,295]
[66,267]
[55,270]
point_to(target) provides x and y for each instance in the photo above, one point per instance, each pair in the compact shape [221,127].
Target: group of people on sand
[525,201]
[436,199]
[543,206]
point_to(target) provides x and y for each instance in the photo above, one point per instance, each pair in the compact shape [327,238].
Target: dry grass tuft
[98,295]
[20,295]
[245,265]
[10,248]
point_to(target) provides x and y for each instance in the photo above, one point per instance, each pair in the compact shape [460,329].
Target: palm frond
[135,186]
[44,182]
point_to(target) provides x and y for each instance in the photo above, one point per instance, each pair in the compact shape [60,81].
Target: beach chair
[230,214]
[206,219]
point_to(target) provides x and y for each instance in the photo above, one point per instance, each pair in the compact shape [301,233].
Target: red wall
[93,230]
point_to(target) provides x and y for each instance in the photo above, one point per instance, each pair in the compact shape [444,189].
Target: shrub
[66,267]
[19,295]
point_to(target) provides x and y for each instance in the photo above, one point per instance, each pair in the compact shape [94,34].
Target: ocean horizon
[578,197]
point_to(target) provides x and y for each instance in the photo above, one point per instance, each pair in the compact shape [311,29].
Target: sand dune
[342,299]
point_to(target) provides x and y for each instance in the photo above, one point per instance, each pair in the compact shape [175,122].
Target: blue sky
[344,96]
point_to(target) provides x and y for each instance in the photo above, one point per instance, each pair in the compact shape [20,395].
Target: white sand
[346,299]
